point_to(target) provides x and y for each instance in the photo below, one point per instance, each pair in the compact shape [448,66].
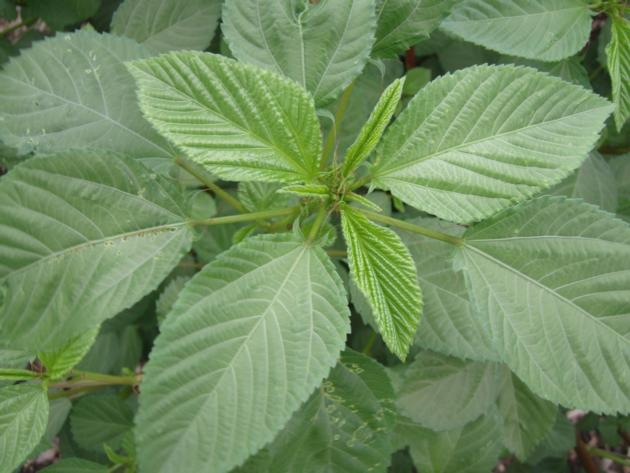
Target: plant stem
[322,214]
[583,454]
[105,378]
[73,392]
[361,182]
[599,452]
[337,253]
[410,227]
[207,181]
[243,217]
[367,349]
[332,136]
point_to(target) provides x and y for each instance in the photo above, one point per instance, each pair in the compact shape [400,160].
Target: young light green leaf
[89,233]
[322,46]
[403,23]
[75,465]
[343,428]
[525,418]
[479,140]
[63,359]
[165,25]
[382,268]
[545,30]
[15,374]
[618,55]
[594,182]
[239,121]
[248,340]
[373,129]
[551,278]
[23,417]
[100,419]
[306,190]
[73,90]
[364,201]
[473,448]
[259,196]
[443,393]
[13,359]
[448,323]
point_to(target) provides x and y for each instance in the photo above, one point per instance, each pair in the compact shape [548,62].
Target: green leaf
[479,140]
[373,129]
[239,121]
[551,279]
[113,350]
[473,448]
[525,418]
[343,428]
[448,325]
[100,419]
[75,465]
[570,69]
[620,166]
[23,417]
[57,414]
[618,54]
[443,393]
[89,233]
[319,191]
[382,268]
[259,196]
[322,46]
[13,359]
[74,91]
[594,182]
[60,13]
[168,296]
[545,30]
[248,340]
[62,360]
[403,23]
[558,441]
[164,25]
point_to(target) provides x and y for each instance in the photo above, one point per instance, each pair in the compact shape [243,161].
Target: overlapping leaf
[23,417]
[343,428]
[74,91]
[479,140]
[444,393]
[84,235]
[618,59]
[551,278]
[164,25]
[382,268]
[62,360]
[403,23]
[241,122]
[546,30]
[248,340]
[321,45]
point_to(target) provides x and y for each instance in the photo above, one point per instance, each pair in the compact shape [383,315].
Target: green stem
[337,253]
[598,452]
[207,181]
[410,227]
[74,391]
[243,217]
[104,378]
[322,214]
[360,183]
[332,136]
[367,349]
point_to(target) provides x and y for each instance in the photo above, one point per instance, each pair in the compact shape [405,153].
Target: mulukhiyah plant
[500,298]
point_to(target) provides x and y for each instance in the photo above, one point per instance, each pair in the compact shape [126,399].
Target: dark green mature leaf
[168,296]
[443,393]
[618,55]
[594,182]
[382,268]
[473,448]
[525,418]
[570,69]
[551,278]
[164,25]
[558,441]
[448,325]
[57,414]
[241,122]
[373,129]
[343,428]
[89,234]
[23,416]
[248,340]
[321,45]
[545,30]
[101,419]
[621,169]
[60,13]
[479,140]
[403,23]
[74,91]
[75,465]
